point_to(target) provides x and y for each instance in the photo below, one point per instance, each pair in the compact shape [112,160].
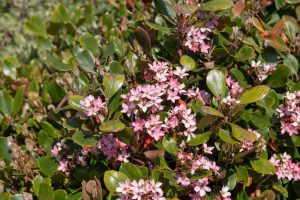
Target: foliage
[185,99]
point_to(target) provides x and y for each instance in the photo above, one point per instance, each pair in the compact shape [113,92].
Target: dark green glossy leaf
[112,126]
[263,166]
[112,84]
[48,166]
[6,103]
[54,61]
[74,102]
[216,82]
[112,179]
[131,171]
[199,139]
[89,42]
[242,134]
[85,139]
[86,61]
[187,62]
[216,5]
[245,53]
[170,145]
[254,94]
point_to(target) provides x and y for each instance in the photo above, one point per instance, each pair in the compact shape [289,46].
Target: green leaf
[245,53]
[187,62]
[89,42]
[9,66]
[293,1]
[5,152]
[165,8]
[36,25]
[115,67]
[6,103]
[254,94]
[45,191]
[170,145]
[36,184]
[125,135]
[279,77]
[216,82]
[162,29]
[55,62]
[49,129]
[231,182]
[199,139]
[225,136]
[56,92]
[112,84]
[74,102]
[60,14]
[60,194]
[263,166]
[281,189]
[45,141]
[18,100]
[48,166]
[16,197]
[211,111]
[112,179]
[216,5]
[296,140]
[86,61]
[131,171]
[292,63]
[242,134]
[112,126]
[242,174]
[84,139]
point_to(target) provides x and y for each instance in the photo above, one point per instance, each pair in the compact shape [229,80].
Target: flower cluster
[145,101]
[285,168]
[224,194]
[67,157]
[93,105]
[289,113]
[262,70]
[142,189]
[197,39]
[234,90]
[190,164]
[113,149]
[248,145]
[197,94]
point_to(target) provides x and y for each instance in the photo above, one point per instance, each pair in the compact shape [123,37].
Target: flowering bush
[152,100]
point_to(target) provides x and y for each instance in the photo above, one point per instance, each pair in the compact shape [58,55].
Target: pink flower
[138,125]
[197,39]
[289,113]
[207,149]
[285,168]
[113,148]
[224,194]
[142,189]
[262,70]
[180,72]
[93,105]
[201,187]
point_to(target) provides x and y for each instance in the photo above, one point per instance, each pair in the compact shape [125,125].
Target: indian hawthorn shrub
[150,100]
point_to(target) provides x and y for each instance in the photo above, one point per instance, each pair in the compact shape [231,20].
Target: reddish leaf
[238,8]
[257,23]
[278,27]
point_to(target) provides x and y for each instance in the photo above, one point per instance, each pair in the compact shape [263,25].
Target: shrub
[150,99]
